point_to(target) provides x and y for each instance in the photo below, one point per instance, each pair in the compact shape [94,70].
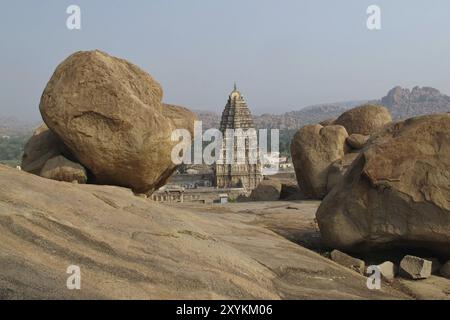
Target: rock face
[132,248]
[108,112]
[267,190]
[364,120]
[338,169]
[348,261]
[415,268]
[41,147]
[61,169]
[395,194]
[314,148]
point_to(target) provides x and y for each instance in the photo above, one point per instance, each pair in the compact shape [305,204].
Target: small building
[223,198]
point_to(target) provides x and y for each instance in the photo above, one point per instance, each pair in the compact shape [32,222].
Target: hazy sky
[284,54]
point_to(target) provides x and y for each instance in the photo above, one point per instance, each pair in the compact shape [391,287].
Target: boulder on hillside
[108,112]
[395,194]
[42,146]
[338,169]
[267,190]
[415,268]
[357,141]
[365,119]
[314,148]
[62,169]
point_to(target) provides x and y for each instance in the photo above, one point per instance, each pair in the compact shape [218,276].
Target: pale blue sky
[284,54]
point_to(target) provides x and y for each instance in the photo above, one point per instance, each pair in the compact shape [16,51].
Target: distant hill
[11,126]
[289,120]
[312,114]
[403,103]
[209,119]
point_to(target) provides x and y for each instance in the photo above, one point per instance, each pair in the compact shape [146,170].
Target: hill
[128,247]
[405,103]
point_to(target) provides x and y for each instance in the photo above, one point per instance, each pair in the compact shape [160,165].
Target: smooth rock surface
[129,247]
[314,148]
[365,119]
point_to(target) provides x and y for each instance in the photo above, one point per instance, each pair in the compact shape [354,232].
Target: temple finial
[235,87]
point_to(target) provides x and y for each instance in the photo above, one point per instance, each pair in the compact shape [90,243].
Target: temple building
[245,170]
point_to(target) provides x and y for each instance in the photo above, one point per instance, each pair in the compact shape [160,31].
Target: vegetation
[11,149]
[286,136]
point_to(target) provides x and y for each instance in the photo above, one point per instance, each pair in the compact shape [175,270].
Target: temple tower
[243,171]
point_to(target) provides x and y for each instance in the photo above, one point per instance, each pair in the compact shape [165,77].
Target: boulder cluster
[105,123]
[321,153]
[384,185]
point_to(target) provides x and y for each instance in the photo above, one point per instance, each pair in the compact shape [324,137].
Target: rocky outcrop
[108,112]
[395,194]
[314,148]
[267,190]
[365,119]
[129,247]
[62,169]
[41,147]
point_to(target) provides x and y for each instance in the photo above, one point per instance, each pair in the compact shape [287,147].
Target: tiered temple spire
[245,174]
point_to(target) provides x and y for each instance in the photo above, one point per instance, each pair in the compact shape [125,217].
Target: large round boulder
[396,193]
[108,112]
[314,148]
[365,119]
